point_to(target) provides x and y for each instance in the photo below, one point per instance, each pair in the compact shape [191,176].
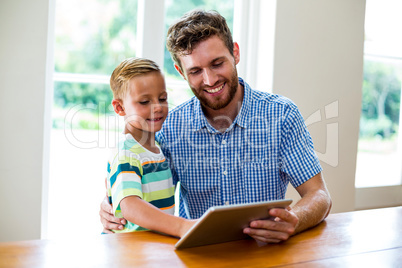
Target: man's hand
[108,221]
[313,207]
[274,231]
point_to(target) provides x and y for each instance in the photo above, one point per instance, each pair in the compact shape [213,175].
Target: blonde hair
[128,69]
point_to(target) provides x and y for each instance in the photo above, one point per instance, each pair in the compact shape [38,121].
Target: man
[231,144]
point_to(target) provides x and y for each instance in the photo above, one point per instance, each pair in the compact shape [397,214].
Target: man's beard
[221,103]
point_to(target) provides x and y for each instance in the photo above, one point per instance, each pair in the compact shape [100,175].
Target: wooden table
[371,238]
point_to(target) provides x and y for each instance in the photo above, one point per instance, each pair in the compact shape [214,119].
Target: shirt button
[225,173]
[223,142]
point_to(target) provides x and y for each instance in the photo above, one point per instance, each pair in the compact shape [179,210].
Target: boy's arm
[142,213]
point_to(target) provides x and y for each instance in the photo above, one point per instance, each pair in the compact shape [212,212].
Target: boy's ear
[180,71]
[118,107]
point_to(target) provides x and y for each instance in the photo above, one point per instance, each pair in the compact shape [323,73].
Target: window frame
[381,196]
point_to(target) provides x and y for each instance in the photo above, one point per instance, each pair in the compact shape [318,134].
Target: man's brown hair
[194,27]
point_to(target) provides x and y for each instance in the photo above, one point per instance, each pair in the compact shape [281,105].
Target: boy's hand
[108,221]
[187,224]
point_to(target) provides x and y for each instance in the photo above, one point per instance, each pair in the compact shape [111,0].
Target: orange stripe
[151,162]
[127,172]
[172,206]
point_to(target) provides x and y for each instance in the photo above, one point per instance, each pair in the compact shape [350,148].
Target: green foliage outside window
[100,35]
[94,41]
[381,101]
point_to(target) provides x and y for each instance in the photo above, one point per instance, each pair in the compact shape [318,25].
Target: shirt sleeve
[125,180]
[109,192]
[163,143]
[299,160]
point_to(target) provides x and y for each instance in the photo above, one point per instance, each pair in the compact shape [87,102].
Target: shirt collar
[242,118]
[199,118]
[200,121]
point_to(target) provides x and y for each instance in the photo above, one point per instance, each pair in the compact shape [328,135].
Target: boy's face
[210,71]
[145,104]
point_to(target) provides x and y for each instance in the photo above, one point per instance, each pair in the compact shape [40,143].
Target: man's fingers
[266,240]
[106,231]
[274,226]
[286,215]
[105,206]
[106,212]
[273,231]
[107,217]
[108,220]
[268,236]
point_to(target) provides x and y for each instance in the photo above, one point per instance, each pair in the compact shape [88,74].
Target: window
[379,153]
[91,38]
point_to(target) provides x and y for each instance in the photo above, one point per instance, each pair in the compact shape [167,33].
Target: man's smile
[215,90]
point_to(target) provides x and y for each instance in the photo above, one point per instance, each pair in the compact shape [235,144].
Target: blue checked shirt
[266,147]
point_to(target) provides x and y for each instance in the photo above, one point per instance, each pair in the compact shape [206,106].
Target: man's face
[210,71]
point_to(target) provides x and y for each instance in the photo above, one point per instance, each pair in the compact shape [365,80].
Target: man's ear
[118,107]
[236,52]
[178,69]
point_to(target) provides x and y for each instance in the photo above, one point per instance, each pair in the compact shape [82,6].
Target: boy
[139,181]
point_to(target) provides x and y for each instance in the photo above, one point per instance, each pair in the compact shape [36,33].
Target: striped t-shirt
[134,170]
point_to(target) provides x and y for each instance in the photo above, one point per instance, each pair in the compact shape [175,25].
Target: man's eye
[195,72]
[218,64]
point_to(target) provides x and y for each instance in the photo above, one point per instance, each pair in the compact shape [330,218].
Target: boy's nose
[157,107]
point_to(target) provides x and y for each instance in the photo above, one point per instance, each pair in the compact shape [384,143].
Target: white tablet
[226,223]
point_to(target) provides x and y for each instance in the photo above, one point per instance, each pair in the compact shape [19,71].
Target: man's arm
[312,208]
[315,204]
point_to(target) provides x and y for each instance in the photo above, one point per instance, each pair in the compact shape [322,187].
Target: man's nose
[209,77]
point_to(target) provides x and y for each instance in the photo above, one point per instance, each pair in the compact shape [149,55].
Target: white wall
[318,64]
[23,33]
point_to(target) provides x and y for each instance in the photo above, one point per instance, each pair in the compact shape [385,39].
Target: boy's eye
[144,102]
